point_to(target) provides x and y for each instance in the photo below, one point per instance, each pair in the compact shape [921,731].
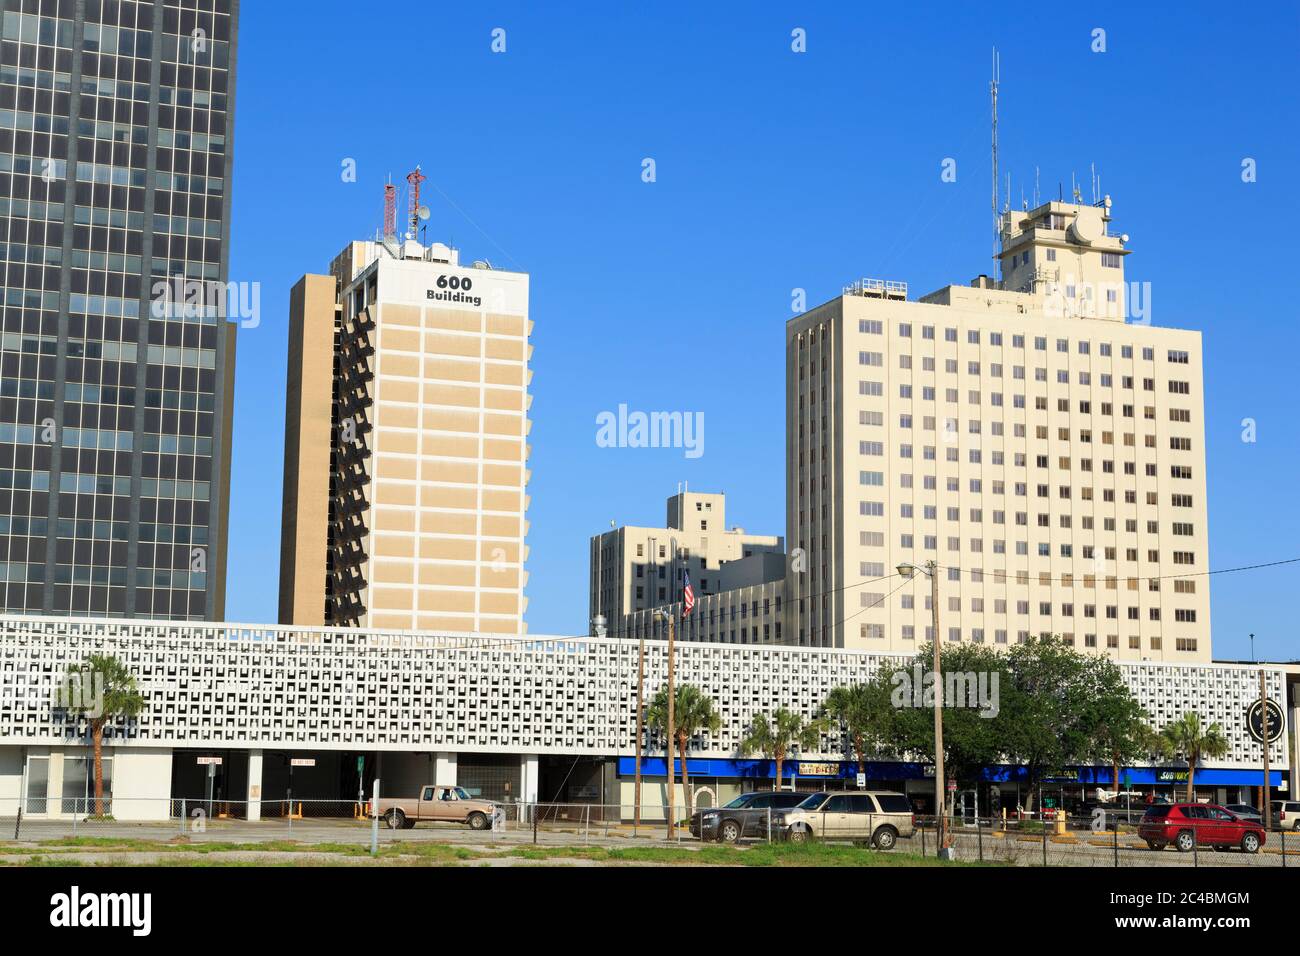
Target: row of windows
[996,370]
[999,636]
[875,449]
[931,513]
[1020,488]
[975,337]
[929,393]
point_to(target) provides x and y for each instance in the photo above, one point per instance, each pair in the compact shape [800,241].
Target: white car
[1286,814]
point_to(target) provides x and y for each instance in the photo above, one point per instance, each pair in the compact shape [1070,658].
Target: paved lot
[1086,849]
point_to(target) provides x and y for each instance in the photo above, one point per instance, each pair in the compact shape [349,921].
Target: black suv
[746,816]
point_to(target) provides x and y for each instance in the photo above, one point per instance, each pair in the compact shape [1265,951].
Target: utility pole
[640,724]
[940,784]
[672,776]
[1265,804]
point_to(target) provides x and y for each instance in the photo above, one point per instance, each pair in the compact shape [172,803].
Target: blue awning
[833,771]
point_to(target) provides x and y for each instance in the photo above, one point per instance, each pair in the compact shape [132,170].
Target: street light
[669,616]
[930,569]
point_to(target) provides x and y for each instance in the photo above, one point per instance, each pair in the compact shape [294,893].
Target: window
[1111,260]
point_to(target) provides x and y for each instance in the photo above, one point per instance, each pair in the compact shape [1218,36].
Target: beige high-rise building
[406,445]
[1046,453]
[635,570]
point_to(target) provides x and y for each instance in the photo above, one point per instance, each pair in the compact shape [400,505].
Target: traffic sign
[210,761]
[302,762]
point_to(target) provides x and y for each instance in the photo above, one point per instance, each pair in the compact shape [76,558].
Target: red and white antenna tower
[414,178]
[390,210]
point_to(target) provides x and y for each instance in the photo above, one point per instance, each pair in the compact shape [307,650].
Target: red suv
[1205,824]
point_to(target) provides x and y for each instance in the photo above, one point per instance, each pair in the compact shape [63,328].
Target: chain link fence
[1058,840]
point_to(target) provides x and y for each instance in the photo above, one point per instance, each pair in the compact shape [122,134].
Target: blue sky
[775,171]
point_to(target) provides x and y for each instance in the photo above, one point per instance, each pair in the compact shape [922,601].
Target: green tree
[971,733]
[99,690]
[693,713]
[865,715]
[1044,710]
[1189,739]
[1115,724]
[776,737]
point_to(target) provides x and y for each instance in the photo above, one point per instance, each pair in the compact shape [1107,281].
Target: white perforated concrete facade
[275,687]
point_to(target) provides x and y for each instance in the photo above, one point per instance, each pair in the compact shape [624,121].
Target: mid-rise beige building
[636,570]
[1046,453]
[407,443]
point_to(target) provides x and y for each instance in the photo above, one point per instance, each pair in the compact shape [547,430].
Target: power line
[877,602]
[1136,577]
[493,643]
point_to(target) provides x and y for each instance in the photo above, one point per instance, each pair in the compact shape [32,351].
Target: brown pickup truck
[437,804]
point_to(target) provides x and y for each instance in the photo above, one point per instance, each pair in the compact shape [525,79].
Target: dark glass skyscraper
[116,122]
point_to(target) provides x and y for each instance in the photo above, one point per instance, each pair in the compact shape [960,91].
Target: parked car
[746,816]
[1127,809]
[1286,814]
[1187,825]
[1246,812]
[437,804]
[875,817]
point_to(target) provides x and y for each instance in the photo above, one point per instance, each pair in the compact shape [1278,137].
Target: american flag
[688,594]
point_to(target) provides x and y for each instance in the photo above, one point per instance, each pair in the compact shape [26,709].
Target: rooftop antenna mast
[993,92]
[415,177]
[390,209]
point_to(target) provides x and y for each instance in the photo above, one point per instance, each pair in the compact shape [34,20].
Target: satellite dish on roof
[423,213]
[1086,229]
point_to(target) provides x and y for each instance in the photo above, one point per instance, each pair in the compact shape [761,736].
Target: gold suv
[878,817]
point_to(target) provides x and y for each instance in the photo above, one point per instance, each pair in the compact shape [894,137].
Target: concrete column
[142,782]
[1294,760]
[528,766]
[444,771]
[54,785]
[254,795]
[12,762]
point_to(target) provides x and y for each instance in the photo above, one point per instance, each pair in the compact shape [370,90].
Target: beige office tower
[407,443]
[1046,453]
[635,570]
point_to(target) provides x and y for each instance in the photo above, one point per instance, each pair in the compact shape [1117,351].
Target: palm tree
[774,738]
[1188,738]
[693,714]
[98,690]
[864,712]
[845,706]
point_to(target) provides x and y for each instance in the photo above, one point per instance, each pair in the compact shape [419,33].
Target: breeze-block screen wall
[323,688]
